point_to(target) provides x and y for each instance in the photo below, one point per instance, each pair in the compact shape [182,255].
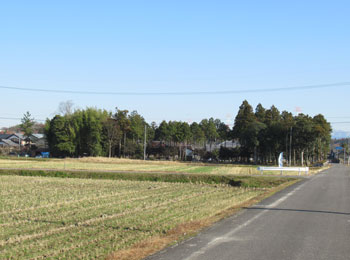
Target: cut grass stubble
[96,206]
[127,165]
[80,218]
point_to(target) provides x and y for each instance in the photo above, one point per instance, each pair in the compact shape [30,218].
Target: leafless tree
[66,108]
[113,134]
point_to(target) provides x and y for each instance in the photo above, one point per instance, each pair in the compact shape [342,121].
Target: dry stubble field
[56,218]
[71,218]
[127,165]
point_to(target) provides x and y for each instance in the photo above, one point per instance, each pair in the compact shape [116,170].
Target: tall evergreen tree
[209,129]
[162,133]
[274,133]
[246,129]
[198,135]
[60,136]
[322,130]
[260,112]
[303,135]
[137,126]
[223,130]
[262,134]
[124,124]
[91,131]
[27,123]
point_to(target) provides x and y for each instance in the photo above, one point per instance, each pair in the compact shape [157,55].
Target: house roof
[38,136]
[7,142]
[5,136]
[19,135]
[8,136]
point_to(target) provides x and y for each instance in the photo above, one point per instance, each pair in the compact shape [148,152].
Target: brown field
[42,217]
[127,165]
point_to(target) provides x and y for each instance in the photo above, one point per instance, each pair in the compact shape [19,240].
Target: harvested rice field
[127,165]
[56,218]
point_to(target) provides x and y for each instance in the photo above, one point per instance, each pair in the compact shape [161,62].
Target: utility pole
[287,150]
[144,144]
[348,152]
[290,146]
[124,144]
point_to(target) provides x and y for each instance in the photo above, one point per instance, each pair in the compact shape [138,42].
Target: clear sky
[170,46]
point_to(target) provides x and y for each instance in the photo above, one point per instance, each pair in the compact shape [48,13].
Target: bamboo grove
[261,135]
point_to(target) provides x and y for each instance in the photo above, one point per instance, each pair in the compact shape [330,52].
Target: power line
[218,92]
[10,118]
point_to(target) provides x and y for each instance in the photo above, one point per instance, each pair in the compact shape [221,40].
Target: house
[7,146]
[2,143]
[18,141]
[38,140]
[5,136]
[7,143]
[8,140]
[16,138]
[35,137]
[226,144]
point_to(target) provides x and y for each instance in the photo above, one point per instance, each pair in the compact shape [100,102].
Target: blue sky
[169,46]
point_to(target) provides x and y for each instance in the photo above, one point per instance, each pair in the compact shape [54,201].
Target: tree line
[262,134]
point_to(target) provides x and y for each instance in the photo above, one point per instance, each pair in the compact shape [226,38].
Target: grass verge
[232,180]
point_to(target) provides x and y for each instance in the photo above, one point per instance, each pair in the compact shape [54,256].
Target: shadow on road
[300,210]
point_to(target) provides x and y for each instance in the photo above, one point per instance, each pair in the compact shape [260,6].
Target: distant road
[309,220]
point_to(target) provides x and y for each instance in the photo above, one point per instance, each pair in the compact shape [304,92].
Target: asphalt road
[309,220]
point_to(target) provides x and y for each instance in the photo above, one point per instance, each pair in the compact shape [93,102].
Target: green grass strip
[232,180]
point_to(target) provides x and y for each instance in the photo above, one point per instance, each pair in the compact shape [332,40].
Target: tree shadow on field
[300,210]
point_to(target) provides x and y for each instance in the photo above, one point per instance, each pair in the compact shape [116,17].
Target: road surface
[309,220]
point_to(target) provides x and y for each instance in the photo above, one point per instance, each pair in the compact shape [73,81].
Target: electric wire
[43,120]
[180,93]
